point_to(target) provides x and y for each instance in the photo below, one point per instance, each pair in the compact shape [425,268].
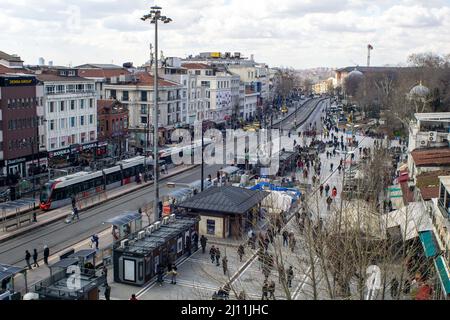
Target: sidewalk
[52,216]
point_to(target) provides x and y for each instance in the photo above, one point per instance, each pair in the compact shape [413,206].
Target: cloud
[299,33]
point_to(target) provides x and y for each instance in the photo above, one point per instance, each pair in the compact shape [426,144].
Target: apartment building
[136,93]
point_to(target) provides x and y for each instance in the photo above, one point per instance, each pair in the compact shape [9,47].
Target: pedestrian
[105,272]
[285,238]
[292,243]
[35,258]
[203,241]
[225,265]
[265,291]
[195,237]
[327,190]
[241,252]
[46,254]
[331,167]
[321,190]
[272,290]
[290,276]
[217,257]
[174,273]
[212,253]
[329,202]
[133,297]
[160,274]
[334,192]
[94,241]
[394,288]
[74,201]
[339,169]
[75,213]
[107,292]
[27,259]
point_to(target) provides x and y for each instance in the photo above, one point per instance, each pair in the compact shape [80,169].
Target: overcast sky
[297,33]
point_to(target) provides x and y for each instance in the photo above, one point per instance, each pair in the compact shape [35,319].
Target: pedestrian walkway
[49,217]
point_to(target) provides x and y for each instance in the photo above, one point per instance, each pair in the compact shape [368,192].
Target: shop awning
[443,273]
[124,218]
[229,170]
[429,245]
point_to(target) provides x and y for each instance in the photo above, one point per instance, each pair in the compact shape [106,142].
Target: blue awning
[428,243]
[443,273]
[7,271]
[124,218]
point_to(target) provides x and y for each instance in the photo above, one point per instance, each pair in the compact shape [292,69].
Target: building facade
[113,126]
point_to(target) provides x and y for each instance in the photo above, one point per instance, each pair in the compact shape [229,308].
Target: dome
[419,91]
[355,74]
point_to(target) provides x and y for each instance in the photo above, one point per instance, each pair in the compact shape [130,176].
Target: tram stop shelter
[225,212]
[136,260]
[7,275]
[125,224]
[12,213]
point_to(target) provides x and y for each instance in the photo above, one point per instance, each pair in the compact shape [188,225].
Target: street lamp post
[154,16]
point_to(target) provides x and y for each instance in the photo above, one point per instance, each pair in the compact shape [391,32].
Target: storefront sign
[59,153]
[17,81]
[16,161]
[89,146]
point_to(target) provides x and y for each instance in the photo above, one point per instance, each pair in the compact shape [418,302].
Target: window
[81,120]
[62,106]
[70,88]
[125,96]
[211,227]
[72,123]
[113,94]
[197,72]
[50,89]
[51,107]
[144,120]
[62,123]
[91,119]
[51,125]
[82,104]
[144,96]
[91,103]
[71,73]
[60,89]
[144,109]
[72,105]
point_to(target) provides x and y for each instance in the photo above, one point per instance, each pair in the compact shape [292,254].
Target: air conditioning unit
[124,243]
[141,235]
[165,220]
[432,136]
[172,218]
[423,143]
[157,225]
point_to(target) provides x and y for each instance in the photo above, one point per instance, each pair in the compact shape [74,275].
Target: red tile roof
[4,70]
[147,79]
[431,157]
[102,73]
[195,66]
[55,77]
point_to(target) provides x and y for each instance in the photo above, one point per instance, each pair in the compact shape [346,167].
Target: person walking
[217,257]
[212,253]
[327,190]
[35,259]
[272,290]
[225,265]
[292,242]
[331,167]
[107,292]
[285,238]
[329,202]
[94,241]
[195,237]
[203,241]
[160,274]
[265,291]
[27,259]
[46,254]
[290,276]
[75,213]
[174,273]
[334,192]
[321,190]
[241,252]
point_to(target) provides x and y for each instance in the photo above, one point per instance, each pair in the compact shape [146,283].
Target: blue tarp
[265,185]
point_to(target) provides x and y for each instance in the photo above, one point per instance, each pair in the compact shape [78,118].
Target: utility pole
[154,16]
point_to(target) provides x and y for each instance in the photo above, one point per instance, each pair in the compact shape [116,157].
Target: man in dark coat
[46,254]
[27,259]
[203,241]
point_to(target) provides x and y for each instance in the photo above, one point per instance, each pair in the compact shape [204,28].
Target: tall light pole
[154,16]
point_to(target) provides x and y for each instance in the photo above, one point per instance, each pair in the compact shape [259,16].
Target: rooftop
[225,200]
[98,66]
[371,69]
[6,70]
[431,157]
[103,73]
[428,183]
[51,77]
[9,57]
[436,116]
[195,66]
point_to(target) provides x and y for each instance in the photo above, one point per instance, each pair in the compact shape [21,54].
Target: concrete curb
[63,216]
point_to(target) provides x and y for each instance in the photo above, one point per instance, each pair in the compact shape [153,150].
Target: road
[60,235]
[303,114]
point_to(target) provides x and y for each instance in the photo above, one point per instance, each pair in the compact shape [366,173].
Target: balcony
[443,210]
